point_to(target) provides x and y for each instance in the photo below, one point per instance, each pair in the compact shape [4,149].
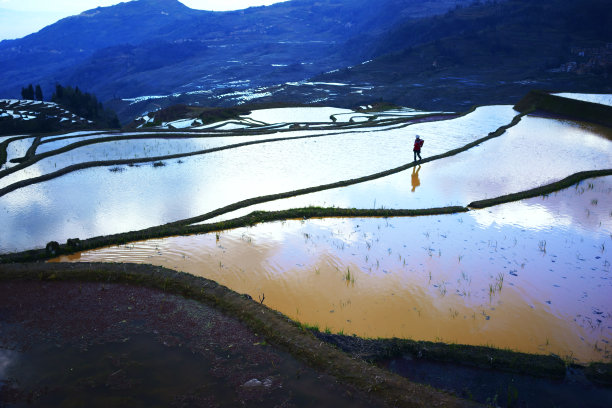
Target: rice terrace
[491,253]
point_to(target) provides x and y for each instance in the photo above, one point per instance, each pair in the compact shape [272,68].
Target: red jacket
[418,143]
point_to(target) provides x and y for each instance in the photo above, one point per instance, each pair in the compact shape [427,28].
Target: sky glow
[19,18]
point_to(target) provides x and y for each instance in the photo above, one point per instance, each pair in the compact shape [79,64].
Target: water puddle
[533,276]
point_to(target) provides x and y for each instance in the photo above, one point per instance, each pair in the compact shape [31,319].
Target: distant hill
[161,47]
[485,53]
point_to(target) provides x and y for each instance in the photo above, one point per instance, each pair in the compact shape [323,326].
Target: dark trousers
[417,153]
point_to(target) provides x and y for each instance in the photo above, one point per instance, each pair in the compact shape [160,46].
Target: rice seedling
[348,277]
[542,246]
[309,327]
[500,281]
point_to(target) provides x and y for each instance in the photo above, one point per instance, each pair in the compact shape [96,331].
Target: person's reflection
[415,177]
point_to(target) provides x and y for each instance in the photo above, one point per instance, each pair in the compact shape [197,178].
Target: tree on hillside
[39,94]
[85,105]
[59,92]
[27,93]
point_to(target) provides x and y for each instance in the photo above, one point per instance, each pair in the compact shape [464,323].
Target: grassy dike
[277,329]
[376,350]
[542,190]
[54,249]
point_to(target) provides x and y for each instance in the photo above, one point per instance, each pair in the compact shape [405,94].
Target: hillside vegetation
[491,52]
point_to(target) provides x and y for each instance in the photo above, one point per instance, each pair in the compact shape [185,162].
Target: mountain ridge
[302,37]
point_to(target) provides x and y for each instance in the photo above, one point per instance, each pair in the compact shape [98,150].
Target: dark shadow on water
[504,389]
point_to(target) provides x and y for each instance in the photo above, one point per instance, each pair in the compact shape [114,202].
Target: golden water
[522,283]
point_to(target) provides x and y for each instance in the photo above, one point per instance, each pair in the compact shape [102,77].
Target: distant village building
[597,60]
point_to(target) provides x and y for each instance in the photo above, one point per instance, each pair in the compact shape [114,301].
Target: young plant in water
[499,282]
[542,246]
[348,277]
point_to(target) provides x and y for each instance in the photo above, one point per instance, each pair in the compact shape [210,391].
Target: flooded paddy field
[535,152]
[149,194]
[532,276]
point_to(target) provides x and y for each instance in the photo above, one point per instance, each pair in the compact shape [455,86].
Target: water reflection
[493,276]
[415,181]
[537,151]
[196,185]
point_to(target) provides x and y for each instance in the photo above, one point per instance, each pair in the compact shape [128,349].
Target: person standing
[418,143]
